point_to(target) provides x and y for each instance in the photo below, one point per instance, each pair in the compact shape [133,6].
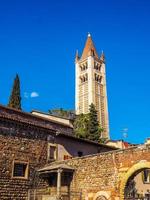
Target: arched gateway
[101,198]
[102,195]
[129,183]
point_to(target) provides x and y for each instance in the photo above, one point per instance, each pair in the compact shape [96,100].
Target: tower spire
[102,57]
[89,48]
[77,56]
[89,35]
[90,84]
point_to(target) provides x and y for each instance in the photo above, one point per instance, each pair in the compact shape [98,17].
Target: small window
[66,157]
[146,176]
[80,153]
[147,196]
[20,170]
[52,152]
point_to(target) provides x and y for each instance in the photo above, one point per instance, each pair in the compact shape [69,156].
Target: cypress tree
[93,125]
[15,98]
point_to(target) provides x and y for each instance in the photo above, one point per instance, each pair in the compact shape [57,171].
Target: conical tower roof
[102,57]
[89,48]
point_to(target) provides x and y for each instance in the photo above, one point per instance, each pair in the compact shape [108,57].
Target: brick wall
[18,143]
[23,140]
[104,172]
[32,119]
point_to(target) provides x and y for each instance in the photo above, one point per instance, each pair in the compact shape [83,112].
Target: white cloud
[34,94]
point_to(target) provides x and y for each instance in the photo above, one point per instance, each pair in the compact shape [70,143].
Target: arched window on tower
[100,79]
[83,66]
[97,66]
[84,78]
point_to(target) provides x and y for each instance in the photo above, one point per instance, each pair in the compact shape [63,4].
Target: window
[80,153]
[84,66]
[66,157]
[146,176]
[20,170]
[97,66]
[147,196]
[84,78]
[52,152]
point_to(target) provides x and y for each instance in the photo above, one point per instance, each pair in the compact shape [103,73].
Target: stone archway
[101,198]
[139,166]
[102,195]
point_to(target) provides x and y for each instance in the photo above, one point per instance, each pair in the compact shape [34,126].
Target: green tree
[81,125]
[15,98]
[93,124]
[87,126]
[62,113]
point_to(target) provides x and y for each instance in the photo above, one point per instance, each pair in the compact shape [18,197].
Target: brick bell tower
[90,84]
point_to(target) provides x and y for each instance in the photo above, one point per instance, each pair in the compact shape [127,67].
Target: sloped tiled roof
[89,45]
[56,166]
[58,129]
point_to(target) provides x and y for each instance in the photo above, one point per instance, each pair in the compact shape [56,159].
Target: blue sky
[38,40]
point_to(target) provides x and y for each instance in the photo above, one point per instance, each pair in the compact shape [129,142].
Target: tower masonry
[90,84]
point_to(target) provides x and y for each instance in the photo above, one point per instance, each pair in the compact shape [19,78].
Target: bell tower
[90,84]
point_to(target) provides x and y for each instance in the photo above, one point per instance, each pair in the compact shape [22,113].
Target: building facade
[120,144]
[28,142]
[115,175]
[91,84]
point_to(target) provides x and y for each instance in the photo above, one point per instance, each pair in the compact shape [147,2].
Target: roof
[48,114]
[54,167]
[87,141]
[28,118]
[89,46]
[60,120]
[126,144]
[20,116]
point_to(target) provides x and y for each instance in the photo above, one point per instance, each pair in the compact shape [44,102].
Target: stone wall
[94,174]
[104,173]
[17,147]
[25,140]
[29,118]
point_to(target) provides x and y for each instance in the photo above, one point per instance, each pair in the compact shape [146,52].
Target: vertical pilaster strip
[90,80]
[106,134]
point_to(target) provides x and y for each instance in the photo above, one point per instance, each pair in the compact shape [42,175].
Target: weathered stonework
[90,86]
[106,174]
[14,147]
[97,176]
[30,119]
[25,138]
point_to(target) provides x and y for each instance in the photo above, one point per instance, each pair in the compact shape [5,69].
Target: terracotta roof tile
[89,48]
